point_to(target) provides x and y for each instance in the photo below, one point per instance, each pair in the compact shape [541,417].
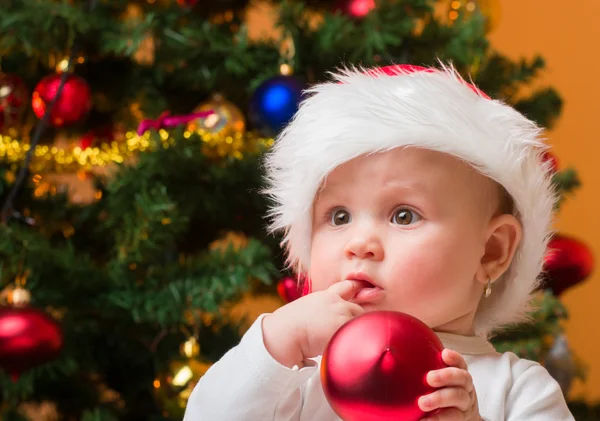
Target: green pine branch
[566,182]
[543,107]
[165,294]
[531,340]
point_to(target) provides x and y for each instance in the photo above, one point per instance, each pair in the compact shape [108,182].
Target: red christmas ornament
[13,100]
[187,3]
[550,157]
[75,100]
[567,263]
[95,136]
[355,8]
[374,367]
[290,289]
[28,337]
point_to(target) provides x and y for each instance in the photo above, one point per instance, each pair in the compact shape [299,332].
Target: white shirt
[247,384]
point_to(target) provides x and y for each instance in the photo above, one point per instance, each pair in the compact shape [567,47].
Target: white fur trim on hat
[366,111]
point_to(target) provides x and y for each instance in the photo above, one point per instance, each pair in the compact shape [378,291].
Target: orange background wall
[567,37]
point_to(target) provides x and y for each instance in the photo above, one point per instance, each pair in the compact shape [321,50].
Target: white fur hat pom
[364,111]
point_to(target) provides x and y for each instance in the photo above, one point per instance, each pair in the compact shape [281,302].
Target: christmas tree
[132,240]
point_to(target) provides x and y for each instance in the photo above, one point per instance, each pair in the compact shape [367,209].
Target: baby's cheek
[417,258]
[438,257]
[323,272]
[418,274]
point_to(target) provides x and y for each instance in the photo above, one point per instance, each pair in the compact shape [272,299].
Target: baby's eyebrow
[408,191]
[325,195]
[328,188]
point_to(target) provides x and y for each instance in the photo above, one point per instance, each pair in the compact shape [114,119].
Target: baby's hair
[506,204]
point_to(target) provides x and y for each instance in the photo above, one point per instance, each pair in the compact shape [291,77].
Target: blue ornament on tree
[275,102]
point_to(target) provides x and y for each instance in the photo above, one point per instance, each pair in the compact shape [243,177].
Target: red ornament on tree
[75,100]
[187,3]
[13,100]
[567,263]
[28,337]
[290,289]
[550,157]
[93,137]
[374,367]
[355,8]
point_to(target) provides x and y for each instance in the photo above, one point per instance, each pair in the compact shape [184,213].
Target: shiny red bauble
[375,367]
[28,337]
[13,100]
[74,103]
[187,3]
[94,137]
[567,263]
[355,8]
[552,160]
[292,288]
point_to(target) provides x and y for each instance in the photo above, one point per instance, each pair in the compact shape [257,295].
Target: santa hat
[366,111]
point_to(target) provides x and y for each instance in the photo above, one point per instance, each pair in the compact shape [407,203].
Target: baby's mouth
[367,293]
[364,284]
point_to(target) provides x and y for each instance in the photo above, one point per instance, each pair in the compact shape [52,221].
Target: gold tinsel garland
[57,159]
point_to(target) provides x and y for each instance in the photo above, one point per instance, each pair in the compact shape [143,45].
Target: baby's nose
[365,247]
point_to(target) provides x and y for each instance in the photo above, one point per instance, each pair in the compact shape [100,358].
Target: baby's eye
[405,216]
[340,217]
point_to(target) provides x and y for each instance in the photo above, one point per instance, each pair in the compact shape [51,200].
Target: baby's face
[411,222]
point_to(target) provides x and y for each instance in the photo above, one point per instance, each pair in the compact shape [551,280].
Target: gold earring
[488,288]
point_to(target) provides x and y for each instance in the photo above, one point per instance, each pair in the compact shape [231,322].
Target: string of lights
[59,159]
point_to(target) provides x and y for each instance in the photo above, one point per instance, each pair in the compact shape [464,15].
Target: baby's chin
[384,306]
[379,306]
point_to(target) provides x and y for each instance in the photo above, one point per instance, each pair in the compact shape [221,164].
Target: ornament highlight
[356,9]
[275,102]
[13,100]
[19,297]
[567,263]
[374,367]
[73,104]
[28,338]
[226,120]
[173,388]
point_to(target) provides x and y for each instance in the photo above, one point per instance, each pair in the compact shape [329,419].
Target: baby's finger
[450,376]
[355,310]
[453,359]
[345,289]
[447,397]
[450,414]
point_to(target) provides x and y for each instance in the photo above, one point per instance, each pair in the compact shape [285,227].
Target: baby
[400,188]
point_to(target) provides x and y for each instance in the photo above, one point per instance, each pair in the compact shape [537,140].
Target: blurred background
[132,248]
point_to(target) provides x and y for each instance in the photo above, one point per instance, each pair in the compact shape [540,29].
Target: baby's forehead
[430,174]
[416,166]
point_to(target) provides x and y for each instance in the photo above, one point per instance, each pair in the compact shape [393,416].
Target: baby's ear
[503,237]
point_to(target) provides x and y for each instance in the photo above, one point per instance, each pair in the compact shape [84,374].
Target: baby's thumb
[345,289]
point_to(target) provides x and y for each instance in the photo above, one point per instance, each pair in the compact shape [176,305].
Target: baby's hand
[456,399]
[301,329]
